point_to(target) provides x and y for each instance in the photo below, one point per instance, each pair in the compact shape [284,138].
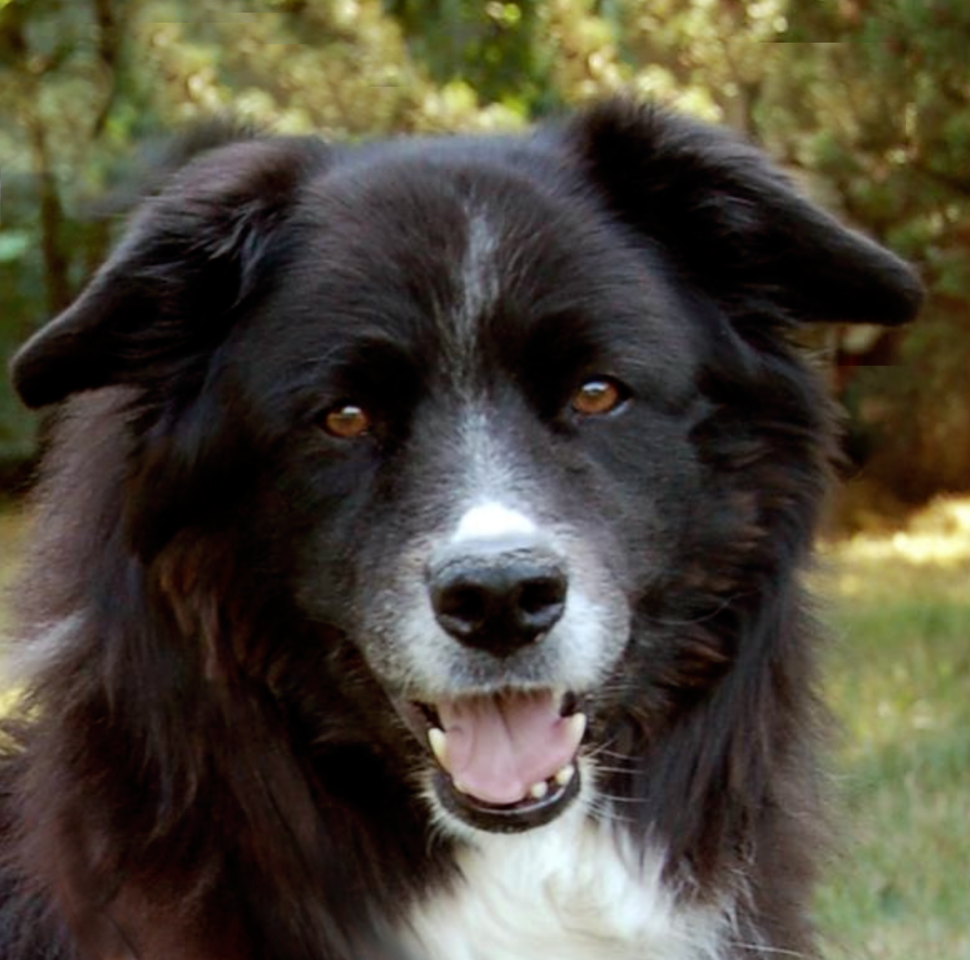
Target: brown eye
[596,397]
[347,422]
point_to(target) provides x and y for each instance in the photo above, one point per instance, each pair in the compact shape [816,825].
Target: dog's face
[494,394]
[494,416]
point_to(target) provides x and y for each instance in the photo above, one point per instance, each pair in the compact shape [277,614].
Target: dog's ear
[167,295]
[734,223]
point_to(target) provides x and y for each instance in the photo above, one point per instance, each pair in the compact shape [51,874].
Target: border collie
[415,570]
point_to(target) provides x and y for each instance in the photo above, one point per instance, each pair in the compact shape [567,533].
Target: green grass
[898,678]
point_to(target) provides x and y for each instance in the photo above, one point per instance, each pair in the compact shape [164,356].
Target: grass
[898,678]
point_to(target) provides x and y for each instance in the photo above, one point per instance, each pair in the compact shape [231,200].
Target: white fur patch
[479,284]
[490,470]
[566,891]
[492,520]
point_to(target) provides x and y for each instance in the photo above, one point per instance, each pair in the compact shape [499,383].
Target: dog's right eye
[346,422]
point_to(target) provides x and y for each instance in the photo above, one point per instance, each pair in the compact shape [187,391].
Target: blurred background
[865,102]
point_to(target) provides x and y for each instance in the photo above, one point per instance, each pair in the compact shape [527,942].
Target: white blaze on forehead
[492,521]
[478,276]
[477,284]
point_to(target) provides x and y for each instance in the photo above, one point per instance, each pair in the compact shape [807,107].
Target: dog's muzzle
[506,759]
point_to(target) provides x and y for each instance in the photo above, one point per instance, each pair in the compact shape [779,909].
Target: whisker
[603,749]
[761,948]
[611,799]
[710,615]
[608,815]
[611,756]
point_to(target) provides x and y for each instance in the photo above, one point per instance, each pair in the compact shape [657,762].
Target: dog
[416,564]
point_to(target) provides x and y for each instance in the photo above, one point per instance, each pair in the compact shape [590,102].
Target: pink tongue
[498,747]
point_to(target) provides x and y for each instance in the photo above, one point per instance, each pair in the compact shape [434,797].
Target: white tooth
[577,725]
[565,775]
[438,741]
[538,790]
[460,787]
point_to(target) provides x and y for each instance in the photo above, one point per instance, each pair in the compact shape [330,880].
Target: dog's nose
[497,598]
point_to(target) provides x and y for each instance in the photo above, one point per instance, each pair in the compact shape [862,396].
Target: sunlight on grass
[899,680]
[938,537]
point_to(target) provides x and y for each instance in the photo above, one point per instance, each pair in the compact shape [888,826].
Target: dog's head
[510,419]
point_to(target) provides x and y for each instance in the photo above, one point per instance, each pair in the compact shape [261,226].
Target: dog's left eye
[598,396]
[347,421]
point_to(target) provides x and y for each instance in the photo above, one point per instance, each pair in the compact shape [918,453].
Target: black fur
[211,766]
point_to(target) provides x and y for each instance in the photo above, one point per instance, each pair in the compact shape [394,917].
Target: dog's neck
[573,890]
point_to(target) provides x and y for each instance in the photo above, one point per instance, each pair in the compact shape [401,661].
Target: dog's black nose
[497,599]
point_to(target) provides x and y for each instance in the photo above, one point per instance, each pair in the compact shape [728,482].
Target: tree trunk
[56,271]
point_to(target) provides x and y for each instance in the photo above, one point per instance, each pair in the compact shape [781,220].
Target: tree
[874,119]
[888,121]
[83,81]
[60,68]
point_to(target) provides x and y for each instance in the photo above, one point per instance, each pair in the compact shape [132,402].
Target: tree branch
[51,219]
[109,54]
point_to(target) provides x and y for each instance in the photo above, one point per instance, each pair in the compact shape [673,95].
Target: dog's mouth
[506,761]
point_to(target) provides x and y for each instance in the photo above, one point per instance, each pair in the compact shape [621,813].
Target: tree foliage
[866,101]
[889,114]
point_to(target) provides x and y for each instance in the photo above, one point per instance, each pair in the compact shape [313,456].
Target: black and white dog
[415,568]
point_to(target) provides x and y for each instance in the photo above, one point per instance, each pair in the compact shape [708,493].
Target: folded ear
[734,223]
[167,295]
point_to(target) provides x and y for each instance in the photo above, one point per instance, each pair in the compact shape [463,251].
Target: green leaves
[13,245]
[867,101]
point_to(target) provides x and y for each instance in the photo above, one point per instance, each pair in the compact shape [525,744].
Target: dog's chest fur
[567,891]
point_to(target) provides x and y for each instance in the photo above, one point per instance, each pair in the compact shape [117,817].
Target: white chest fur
[566,891]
